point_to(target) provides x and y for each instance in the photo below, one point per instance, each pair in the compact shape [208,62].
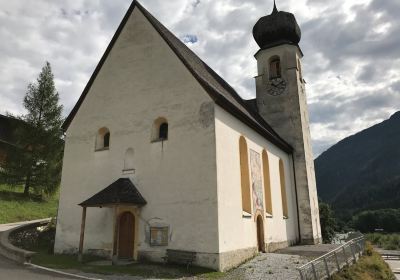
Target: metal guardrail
[325,266]
[391,257]
[389,254]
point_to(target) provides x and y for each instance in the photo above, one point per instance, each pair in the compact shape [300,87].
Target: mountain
[362,171]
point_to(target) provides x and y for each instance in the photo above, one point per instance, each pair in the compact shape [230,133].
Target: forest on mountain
[361,174]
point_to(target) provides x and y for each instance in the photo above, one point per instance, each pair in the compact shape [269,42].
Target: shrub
[368,249]
[371,266]
[35,239]
[385,241]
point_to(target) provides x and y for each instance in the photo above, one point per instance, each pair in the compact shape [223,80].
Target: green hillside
[15,207]
[362,171]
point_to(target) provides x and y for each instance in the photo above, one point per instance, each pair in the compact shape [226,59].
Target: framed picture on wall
[159,236]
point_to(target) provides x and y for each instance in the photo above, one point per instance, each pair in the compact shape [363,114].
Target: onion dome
[276,29]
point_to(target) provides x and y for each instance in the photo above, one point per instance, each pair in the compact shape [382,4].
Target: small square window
[159,236]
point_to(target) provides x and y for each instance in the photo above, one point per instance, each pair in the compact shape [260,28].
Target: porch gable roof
[121,192]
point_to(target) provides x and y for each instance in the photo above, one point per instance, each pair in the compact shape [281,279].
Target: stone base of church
[218,261]
[208,260]
[312,241]
[101,253]
[151,256]
[231,259]
[273,246]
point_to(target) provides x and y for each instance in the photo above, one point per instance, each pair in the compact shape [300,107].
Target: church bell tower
[281,101]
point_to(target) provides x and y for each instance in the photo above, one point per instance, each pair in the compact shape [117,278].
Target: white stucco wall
[235,231]
[142,80]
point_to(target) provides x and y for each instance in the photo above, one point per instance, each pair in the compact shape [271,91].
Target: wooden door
[126,235]
[260,234]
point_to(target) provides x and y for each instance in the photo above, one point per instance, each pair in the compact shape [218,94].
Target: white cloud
[351,50]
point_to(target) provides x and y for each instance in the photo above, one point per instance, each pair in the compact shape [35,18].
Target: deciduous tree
[328,222]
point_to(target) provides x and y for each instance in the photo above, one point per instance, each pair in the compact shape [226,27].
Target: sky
[351,51]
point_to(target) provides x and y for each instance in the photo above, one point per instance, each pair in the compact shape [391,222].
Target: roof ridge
[162,30]
[218,89]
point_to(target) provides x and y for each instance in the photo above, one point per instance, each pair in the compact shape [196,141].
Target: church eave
[277,45]
[279,142]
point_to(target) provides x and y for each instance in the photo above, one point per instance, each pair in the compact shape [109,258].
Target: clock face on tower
[276,86]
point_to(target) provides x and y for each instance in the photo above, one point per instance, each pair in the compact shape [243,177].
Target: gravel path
[264,266]
[269,266]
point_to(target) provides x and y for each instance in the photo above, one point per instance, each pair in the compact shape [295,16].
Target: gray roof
[277,28]
[121,192]
[218,89]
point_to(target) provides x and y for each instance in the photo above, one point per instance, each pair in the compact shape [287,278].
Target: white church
[163,156]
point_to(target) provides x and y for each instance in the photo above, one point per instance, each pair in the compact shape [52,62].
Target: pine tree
[36,159]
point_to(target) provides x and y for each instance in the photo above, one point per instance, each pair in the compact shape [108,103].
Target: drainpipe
[297,200]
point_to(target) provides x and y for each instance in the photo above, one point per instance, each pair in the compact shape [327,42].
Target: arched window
[283,189]
[245,177]
[107,140]
[160,130]
[163,131]
[275,68]
[128,161]
[267,183]
[103,139]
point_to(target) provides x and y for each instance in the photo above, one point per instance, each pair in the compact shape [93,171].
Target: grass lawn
[15,207]
[41,240]
[371,266]
[145,270]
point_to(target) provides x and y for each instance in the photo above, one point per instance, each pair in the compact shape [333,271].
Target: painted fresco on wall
[256,181]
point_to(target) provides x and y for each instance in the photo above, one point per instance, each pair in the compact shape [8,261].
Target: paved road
[4,227]
[13,271]
[395,266]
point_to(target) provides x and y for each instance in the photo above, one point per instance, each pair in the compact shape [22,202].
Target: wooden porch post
[82,236]
[115,232]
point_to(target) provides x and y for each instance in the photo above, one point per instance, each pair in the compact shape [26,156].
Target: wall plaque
[159,236]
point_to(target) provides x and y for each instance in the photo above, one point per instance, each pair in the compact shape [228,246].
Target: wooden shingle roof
[218,89]
[121,192]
